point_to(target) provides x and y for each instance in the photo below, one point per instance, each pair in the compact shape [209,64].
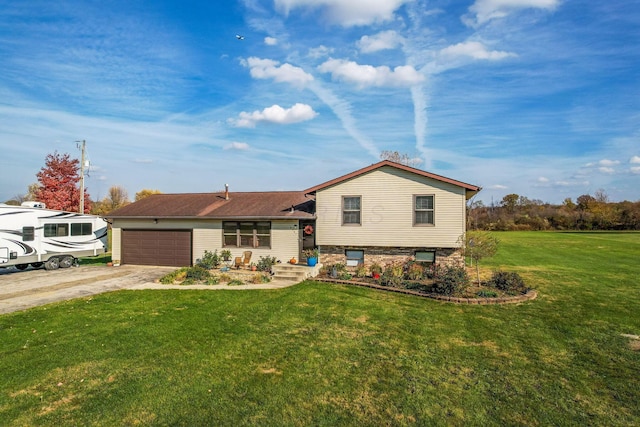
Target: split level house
[383,212]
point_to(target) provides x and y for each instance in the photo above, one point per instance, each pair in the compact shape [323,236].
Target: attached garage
[170,248]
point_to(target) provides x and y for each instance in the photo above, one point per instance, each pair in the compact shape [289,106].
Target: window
[354,257]
[247,234]
[351,210]
[83,229]
[28,234]
[56,230]
[423,210]
[426,256]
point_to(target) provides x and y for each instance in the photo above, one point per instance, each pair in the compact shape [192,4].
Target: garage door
[157,247]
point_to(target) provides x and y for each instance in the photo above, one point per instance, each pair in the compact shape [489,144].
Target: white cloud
[483,11]
[346,12]
[635,170]
[270,41]
[635,160]
[475,50]
[543,179]
[368,75]
[608,163]
[381,41]
[320,51]
[269,69]
[275,114]
[606,170]
[237,146]
[498,187]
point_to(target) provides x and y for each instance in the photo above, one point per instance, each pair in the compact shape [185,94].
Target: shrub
[173,277]
[266,262]
[345,275]
[235,282]
[415,271]
[224,278]
[361,271]
[213,280]
[260,278]
[508,281]
[449,280]
[209,260]
[198,273]
[392,275]
[375,268]
[487,294]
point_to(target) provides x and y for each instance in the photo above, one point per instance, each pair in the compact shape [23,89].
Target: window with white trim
[423,213]
[351,210]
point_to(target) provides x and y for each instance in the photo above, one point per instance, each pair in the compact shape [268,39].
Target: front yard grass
[324,354]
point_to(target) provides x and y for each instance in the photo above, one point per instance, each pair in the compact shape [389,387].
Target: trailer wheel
[22,266]
[37,264]
[52,264]
[66,261]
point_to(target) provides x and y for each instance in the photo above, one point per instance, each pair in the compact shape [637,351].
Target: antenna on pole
[82,148]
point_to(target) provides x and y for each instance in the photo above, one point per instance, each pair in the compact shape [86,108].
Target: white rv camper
[32,234]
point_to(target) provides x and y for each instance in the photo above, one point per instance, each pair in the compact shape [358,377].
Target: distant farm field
[324,354]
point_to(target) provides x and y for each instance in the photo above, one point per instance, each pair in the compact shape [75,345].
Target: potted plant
[312,256]
[376,270]
[253,266]
[225,254]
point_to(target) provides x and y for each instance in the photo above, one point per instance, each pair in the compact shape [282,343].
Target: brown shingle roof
[250,205]
[470,188]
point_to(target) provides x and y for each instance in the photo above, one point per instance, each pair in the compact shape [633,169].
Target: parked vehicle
[33,235]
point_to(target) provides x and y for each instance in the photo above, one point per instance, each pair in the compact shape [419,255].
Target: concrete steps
[295,272]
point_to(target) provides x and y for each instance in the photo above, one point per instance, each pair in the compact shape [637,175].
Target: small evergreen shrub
[487,294]
[508,281]
[266,262]
[198,273]
[450,279]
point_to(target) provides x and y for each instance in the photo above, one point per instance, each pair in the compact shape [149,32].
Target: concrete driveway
[20,290]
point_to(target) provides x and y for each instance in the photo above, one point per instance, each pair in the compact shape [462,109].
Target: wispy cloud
[346,13]
[237,146]
[483,11]
[384,40]
[275,114]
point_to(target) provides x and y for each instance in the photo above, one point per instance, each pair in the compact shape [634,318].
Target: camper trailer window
[82,229]
[28,234]
[56,230]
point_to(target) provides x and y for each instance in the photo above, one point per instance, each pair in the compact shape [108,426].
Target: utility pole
[82,148]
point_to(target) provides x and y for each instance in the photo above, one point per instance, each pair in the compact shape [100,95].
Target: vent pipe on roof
[226,191]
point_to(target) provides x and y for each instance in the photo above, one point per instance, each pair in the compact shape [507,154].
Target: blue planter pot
[311,262]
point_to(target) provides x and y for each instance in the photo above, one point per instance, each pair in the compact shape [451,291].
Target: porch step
[295,272]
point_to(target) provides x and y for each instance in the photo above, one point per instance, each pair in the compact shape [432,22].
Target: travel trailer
[33,235]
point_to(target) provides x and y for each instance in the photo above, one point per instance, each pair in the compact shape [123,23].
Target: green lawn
[322,354]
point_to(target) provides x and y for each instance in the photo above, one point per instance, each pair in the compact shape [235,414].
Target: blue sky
[535,97]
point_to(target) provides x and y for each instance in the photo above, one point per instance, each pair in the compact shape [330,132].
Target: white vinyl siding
[388,209]
[207,235]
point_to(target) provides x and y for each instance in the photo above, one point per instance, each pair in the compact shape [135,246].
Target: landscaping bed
[446,283]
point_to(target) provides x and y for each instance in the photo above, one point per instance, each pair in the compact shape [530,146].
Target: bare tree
[403,158]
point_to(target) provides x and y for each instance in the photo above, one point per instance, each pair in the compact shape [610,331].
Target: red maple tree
[59,184]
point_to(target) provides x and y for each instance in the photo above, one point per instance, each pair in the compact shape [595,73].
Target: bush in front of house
[266,262]
[209,260]
[450,279]
[414,271]
[508,281]
[393,274]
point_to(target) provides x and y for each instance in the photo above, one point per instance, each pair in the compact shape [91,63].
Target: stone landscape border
[530,295]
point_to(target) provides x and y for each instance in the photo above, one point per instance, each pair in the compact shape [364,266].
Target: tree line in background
[58,187]
[515,212]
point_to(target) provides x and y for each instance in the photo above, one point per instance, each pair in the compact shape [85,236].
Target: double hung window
[351,210]
[423,210]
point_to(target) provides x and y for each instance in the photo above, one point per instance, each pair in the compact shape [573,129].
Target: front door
[307,238]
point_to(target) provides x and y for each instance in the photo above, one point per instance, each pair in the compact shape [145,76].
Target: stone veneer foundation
[385,255]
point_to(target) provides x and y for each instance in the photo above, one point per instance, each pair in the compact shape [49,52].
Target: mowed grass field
[323,354]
